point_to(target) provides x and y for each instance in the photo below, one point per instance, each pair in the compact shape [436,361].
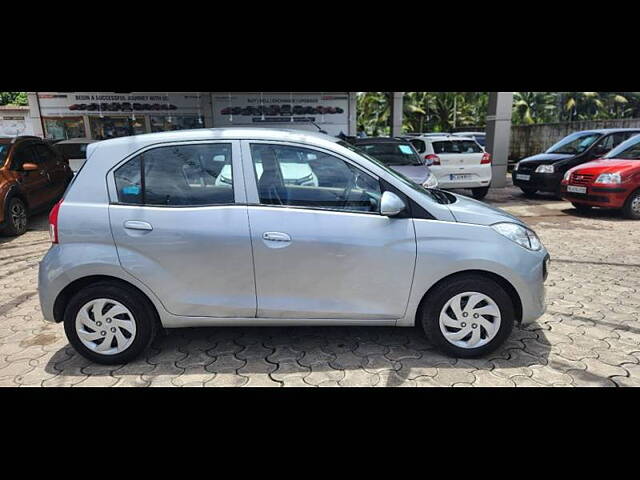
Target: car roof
[76,140]
[16,138]
[608,130]
[371,140]
[462,134]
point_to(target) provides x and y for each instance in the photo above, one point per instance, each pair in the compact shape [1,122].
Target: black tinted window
[419,145]
[185,175]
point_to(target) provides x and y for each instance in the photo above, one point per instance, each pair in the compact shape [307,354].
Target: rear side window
[183,175]
[456,146]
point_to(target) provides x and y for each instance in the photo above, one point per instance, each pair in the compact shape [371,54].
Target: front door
[321,249]
[179,220]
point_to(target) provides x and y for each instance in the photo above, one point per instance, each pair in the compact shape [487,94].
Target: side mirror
[391,204]
[29,167]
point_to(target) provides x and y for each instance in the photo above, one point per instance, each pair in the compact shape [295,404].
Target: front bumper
[601,195]
[533,298]
[543,182]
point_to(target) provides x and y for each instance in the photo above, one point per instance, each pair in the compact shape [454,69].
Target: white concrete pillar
[499,134]
[396,113]
[353,115]
[35,116]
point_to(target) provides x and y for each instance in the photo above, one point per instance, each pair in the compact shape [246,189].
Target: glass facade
[112,127]
[64,128]
[181,122]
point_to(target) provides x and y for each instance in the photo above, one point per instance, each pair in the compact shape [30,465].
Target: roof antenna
[315,125]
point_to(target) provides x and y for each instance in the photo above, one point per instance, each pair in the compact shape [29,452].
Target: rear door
[55,168]
[182,231]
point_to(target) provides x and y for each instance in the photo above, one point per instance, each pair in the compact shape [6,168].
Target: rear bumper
[598,196]
[543,182]
[480,176]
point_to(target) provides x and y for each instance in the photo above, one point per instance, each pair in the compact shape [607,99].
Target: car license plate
[574,189]
[520,176]
[460,177]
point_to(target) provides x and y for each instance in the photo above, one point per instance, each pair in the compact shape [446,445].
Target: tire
[136,340]
[434,305]
[528,192]
[631,207]
[479,193]
[16,216]
[581,207]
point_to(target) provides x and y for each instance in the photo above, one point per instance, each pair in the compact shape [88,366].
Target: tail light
[434,159]
[53,222]
[486,158]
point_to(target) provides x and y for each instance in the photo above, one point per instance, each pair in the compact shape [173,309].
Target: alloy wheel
[470,320]
[105,326]
[635,205]
[18,216]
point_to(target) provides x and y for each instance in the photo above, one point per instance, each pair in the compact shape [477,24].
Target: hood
[416,173]
[468,210]
[545,158]
[598,167]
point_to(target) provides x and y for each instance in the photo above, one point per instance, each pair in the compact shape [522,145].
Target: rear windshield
[75,151]
[456,146]
[393,154]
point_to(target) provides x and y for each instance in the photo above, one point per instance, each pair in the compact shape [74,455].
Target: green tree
[13,98]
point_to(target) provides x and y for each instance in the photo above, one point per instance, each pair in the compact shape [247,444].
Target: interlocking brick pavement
[590,335]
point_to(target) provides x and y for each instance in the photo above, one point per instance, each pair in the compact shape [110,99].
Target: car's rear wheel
[468,316]
[631,207]
[479,193]
[109,324]
[581,207]
[528,192]
[16,217]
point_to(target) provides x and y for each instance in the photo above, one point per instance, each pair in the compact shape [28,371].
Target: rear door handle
[136,225]
[276,237]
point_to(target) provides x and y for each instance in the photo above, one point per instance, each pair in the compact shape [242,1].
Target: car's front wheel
[631,207]
[468,316]
[109,324]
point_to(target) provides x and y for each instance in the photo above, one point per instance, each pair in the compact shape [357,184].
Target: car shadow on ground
[362,356]
[597,213]
[37,223]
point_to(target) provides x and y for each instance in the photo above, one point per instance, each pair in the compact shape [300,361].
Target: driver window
[24,153]
[301,177]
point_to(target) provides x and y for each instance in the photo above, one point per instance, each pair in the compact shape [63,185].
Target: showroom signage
[328,111]
[108,102]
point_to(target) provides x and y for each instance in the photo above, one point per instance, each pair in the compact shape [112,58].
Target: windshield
[4,150]
[433,194]
[393,154]
[575,143]
[629,150]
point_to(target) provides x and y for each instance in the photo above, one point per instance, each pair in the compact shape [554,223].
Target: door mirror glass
[29,167]
[391,204]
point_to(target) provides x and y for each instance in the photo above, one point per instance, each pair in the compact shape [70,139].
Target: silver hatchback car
[236,227]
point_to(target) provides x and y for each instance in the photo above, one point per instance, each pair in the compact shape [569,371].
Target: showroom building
[102,115]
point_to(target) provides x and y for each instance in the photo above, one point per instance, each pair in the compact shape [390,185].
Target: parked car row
[594,168]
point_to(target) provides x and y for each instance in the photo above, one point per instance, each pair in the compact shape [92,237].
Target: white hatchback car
[456,162]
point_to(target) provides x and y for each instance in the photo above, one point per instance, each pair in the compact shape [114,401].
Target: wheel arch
[63,298]
[500,280]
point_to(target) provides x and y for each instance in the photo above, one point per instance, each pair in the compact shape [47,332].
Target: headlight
[431,182]
[519,234]
[544,169]
[609,178]
[567,176]
[515,169]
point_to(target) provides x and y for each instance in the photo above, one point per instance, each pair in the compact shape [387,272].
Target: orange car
[33,177]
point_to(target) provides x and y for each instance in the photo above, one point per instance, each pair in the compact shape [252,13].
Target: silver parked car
[146,237]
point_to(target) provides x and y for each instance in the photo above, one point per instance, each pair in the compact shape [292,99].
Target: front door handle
[136,225]
[276,237]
